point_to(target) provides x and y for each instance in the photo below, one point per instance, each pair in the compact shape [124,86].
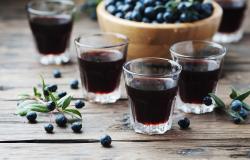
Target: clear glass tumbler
[201,63]
[100,58]
[51,23]
[151,85]
[231,27]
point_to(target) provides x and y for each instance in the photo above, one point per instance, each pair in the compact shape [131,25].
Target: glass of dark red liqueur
[100,58]
[51,23]
[201,63]
[231,28]
[151,85]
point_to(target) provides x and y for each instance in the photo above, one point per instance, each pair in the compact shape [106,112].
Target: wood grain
[211,136]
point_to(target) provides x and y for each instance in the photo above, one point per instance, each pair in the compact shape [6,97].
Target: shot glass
[231,28]
[100,58]
[51,23]
[201,63]
[151,85]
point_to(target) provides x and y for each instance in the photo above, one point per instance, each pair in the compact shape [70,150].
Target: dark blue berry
[186,17]
[127,7]
[183,6]
[62,94]
[111,9]
[207,101]
[49,128]
[74,84]
[61,120]
[52,88]
[243,113]
[236,105]
[106,141]
[236,120]
[128,15]
[46,92]
[51,105]
[57,73]
[145,20]
[79,104]
[132,2]
[149,12]
[136,16]
[206,9]
[184,123]
[148,2]
[169,17]
[159,18]
[76,127]
[109,2]
[139,7]
[119,15]
[31,116]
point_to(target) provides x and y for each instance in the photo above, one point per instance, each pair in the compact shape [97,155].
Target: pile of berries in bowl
[152,26]
[160,11]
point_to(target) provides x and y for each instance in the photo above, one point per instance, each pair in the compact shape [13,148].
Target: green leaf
[246,106]
[22,111]
[217,100]
[36,93]
[233,94]
[73,112]
[26,102]
[235,114]
[24,96]
[38,107]
[64,102]
[52,97]
[44,88]
[243,96]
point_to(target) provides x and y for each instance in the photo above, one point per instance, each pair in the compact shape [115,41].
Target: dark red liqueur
[51,34]
[151,100]
[233,15]
[197,79]
[101,70]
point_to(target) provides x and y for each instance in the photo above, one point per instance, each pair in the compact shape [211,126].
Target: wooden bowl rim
[101,12]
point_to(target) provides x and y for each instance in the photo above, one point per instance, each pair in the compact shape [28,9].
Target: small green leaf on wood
[246,106]
[73,112]
[64,102]
[235,114]
[218,101]
[243,96]
[233,94]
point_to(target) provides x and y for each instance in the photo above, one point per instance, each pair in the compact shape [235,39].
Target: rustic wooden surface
[211,136]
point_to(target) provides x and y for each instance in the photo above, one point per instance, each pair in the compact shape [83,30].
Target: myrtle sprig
[38,102]
[235,96]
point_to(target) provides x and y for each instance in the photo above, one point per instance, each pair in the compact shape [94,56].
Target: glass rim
[217,45]
[30,9]
[116,35]
[177,72]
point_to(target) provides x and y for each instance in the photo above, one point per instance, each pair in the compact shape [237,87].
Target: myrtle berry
[106,141]
[136,16]
[207,101]
[61,120]
[149,12]
[184,123]
[111,9]
[160,18]
[148,2]
[49,128]
[119,15]
[79,104]
[46,92]
[52,88]
[74,84]
[76,127]
[127,7]
[57,73]
[128,16]
[62,94]
[51,105]
[206,9]
[236,120]
[243,113]
[236,105]
[169,17]
[31,116]
[145,20]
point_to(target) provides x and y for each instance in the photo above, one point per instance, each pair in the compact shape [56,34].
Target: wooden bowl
[154,40]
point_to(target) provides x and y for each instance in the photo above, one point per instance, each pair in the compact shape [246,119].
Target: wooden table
[211,136]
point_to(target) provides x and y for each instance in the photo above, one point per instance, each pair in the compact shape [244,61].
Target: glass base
[193,108]
[153,129]
[228,37]
[103,98]
[54,59]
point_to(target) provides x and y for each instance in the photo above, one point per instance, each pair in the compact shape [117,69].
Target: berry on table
[57,73]
[74,84]
[31,116]
[184,123]
[207,101]
[79,104]
[76,127]
[236,105]
[52,88]
[236,120]
[49,128]
[106,141]
[61,120]
[51,105]
[62,94]
[243,113]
